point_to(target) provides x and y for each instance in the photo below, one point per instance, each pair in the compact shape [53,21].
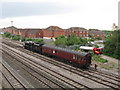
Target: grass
[99,59]
[50,43]
[103,63]
[109,66]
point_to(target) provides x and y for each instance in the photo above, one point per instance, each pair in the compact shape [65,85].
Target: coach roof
[66,50]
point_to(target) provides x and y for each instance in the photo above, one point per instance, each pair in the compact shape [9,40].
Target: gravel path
[110,59]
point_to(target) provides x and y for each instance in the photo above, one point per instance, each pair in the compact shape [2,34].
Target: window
[54,51]
[73,56]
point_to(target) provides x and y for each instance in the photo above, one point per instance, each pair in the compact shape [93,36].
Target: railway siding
[70,75]
[23,71]
[32,65]
[16,76]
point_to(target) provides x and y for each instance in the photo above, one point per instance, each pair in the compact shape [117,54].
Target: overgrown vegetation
[7,34]
[112,45]
[71,40]
[99,59]
[17,37]
[61,41]
[38,41]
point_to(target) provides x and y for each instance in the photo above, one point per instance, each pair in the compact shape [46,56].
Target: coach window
[54,51]
[73,56]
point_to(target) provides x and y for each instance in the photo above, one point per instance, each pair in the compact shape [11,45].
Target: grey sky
[100,14]
[17,9]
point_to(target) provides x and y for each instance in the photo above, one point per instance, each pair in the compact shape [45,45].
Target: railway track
[105,79]
[53,73]
[91,75]
[14,79]
[42,79]
[86,75]
[89,71]
[99,72]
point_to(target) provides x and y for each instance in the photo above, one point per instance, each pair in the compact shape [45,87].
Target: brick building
[52,32]
[96,33]
[35,33]
[12,30]
[23,32]
[78,31]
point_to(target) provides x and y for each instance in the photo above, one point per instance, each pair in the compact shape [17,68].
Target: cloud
[18,9]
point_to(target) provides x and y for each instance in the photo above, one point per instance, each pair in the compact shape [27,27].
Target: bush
[7,34]
[96,46]
[112,45]
[99,59]
[38,41]
[76,48]
[16,37]
[23,39]
[28,39]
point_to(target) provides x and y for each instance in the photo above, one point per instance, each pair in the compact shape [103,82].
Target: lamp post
[12,28]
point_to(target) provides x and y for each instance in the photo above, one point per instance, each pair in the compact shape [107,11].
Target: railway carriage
[77,58]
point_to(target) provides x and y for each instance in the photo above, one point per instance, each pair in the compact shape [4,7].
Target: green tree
[7,34]
[38,41]
[16,37]
[112,45]
[72,39]
[28,39]
[61,41]
[98,38]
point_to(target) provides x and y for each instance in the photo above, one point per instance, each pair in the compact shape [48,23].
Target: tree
[61,41]
[38,41]
[112,45]
[7,34]
[16,37]
[98,38]
[72,39]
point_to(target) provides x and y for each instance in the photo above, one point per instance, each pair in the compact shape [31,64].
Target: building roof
[22,30]
[96,32]
[33,31]
[77,29]
[54,28]
[12,28]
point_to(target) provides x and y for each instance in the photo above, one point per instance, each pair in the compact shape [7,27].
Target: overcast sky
[99,14]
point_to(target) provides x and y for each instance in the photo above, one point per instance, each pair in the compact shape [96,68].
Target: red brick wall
[47,33]
[77,33]
[58,33]
[39,34]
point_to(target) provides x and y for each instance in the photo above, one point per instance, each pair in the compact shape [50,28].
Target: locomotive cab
[28,45]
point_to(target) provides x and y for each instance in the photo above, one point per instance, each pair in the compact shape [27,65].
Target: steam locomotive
[79,59]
